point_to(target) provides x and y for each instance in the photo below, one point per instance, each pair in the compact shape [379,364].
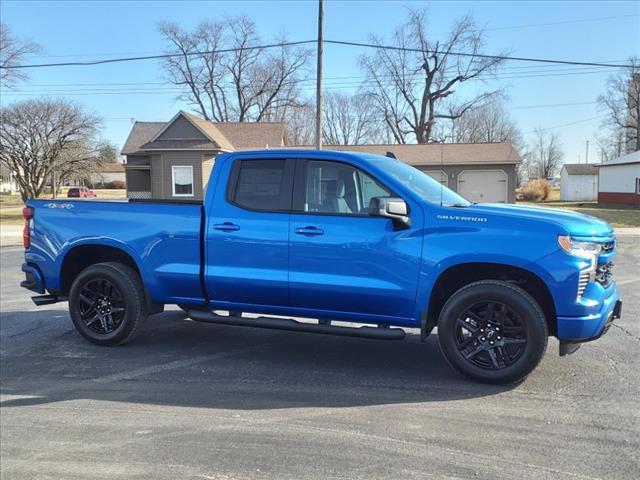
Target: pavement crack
[624,330]
[29,330]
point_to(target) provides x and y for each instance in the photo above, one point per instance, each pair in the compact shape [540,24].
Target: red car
[80,192]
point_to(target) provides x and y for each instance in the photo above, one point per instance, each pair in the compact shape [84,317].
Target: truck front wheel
[493,332]
[107,303]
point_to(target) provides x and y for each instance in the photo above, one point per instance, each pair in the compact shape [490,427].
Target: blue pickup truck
[356,244]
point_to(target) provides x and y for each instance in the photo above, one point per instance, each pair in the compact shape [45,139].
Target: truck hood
[572,223]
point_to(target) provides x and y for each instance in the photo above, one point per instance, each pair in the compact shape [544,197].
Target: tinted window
[261,185]
[333,187]
[418,181]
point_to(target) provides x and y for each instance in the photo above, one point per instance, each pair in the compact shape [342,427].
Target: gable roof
[580,168]
[111,168]
[219,136]
[436,153]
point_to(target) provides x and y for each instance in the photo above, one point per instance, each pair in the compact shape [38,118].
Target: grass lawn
[616,215]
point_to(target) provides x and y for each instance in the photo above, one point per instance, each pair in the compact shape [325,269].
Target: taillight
[27,214]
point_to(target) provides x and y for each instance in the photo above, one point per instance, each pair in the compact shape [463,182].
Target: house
[480,172]
[8,185]
[579,182]
[173,160]
[619,180]
[109,173]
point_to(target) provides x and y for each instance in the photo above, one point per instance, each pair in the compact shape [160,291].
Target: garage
[483,185]
[438,176]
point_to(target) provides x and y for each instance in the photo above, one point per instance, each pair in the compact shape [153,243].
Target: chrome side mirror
[391,207]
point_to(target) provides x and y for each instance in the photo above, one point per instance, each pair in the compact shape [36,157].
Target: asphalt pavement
[197,401]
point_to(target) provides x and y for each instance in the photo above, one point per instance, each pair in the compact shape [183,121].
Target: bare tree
[245,84]
[544,155]
[300,123]
[409,88]
[611,143]
[489,122]
[42,137]
[13,52]
[622,103]
[349,120]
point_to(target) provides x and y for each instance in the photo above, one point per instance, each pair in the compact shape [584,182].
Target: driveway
[196,401]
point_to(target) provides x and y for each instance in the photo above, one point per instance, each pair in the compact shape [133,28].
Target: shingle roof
[111,168]
[434,154]
[141,133]
[210,130]
[225,136]
[581,168]
[253,135]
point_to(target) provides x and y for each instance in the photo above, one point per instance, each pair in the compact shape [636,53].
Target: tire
[107,303]
[493,332]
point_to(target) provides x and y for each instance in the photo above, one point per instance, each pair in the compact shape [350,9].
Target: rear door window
[263,185]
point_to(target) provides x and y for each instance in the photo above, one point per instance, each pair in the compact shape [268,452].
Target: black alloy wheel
[490,335]
[492,331]
[107,303]
[101,304]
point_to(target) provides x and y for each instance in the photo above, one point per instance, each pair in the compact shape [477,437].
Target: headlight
[579,249]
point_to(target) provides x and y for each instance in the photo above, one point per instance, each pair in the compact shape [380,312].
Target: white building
[579,182]
[619,180]
[8,183]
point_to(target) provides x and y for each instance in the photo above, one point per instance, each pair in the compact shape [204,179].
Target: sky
[559,98]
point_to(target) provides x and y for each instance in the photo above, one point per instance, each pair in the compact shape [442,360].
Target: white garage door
[438,176]
[483,185]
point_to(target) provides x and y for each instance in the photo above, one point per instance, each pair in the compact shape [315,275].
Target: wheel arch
[457,276]
[82,256]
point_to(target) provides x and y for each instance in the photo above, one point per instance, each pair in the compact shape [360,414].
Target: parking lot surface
[197,401]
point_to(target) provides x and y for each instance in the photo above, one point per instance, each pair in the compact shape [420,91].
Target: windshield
[420,183]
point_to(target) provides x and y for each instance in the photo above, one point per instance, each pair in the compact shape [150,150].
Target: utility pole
[319,80]
[587,155]
[54,183]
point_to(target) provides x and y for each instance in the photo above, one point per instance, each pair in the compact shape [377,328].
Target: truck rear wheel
[493,332]
[107,303]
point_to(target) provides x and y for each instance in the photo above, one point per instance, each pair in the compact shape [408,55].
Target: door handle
[309,231]
[226,227]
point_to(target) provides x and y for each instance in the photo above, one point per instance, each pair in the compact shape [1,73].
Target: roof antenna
[441,170]
[390,155]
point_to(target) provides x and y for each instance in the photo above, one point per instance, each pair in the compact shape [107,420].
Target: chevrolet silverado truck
[340,243]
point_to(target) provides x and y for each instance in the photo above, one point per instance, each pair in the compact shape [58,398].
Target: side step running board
[295,326]
[40,300]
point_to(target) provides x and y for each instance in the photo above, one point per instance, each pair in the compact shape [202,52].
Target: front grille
[608,246]
[582,283]
[604,274]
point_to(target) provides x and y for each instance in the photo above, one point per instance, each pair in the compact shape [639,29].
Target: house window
[637,184]
[182,180]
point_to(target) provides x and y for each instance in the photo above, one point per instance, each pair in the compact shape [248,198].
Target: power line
[156,57]
[563,22]
[565,124]
[506,27]
[304,42]
[478,55]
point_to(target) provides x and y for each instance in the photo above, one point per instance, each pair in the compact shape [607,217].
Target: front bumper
[586,329]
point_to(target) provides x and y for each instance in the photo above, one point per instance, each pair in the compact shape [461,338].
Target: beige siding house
[173,160]
[480,172]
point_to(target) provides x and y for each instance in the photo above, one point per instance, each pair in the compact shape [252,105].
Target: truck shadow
[177,362]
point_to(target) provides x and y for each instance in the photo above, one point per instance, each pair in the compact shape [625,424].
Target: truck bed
[161,237]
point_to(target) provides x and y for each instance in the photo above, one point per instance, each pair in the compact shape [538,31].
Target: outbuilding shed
[619,180]
[579,182]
